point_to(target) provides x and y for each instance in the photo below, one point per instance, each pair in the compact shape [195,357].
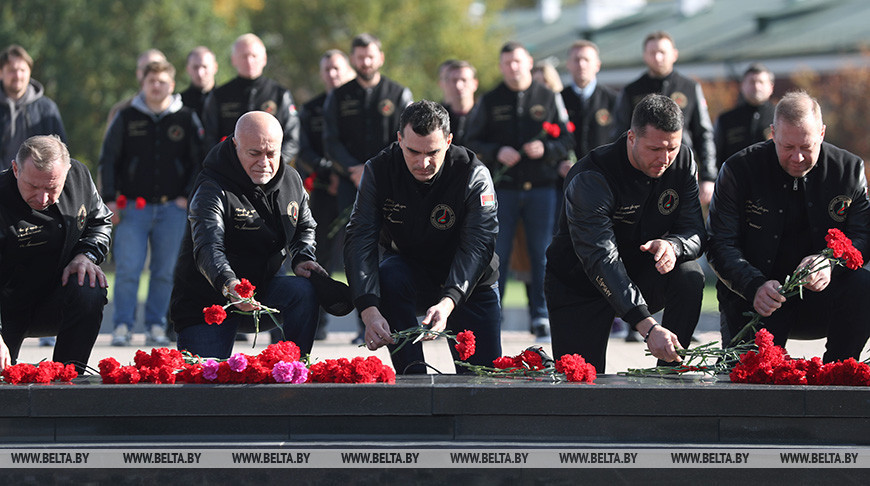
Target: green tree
[416,37]
[85,51]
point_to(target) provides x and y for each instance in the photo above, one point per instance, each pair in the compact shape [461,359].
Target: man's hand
[5,357]
[232,296]
[181,202]
[534,149]
[332,188]
[705,192]
[356,173]
[818,280]
[663,254]
[436,316]
[305,268]
[377,328]
[508,156]
[113,207]
[663,344]
[767,298]
[83,266]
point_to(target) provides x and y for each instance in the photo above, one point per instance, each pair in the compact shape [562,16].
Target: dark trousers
[297,305]
[406,292]
[841,312]
[581,318]
[73,313]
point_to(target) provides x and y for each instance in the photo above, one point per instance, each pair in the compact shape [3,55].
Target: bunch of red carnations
[534,363]
[356,370]
[465,340]
[278,363]
[44,372]
[771,365]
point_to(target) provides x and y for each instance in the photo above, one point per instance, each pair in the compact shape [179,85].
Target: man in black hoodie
[247,213]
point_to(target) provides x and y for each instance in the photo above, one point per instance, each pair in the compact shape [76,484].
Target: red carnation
[140,202]
[245,289]
[570,126]
[576,368]
[465,344]
[308,183]
[121,202]
[552,129]
[214,314]
[506,362]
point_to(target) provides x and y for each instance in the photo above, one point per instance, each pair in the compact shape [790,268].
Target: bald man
[250,90]
[247,213]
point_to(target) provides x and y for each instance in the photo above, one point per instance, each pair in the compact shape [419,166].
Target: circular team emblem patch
[838,208]
[175,133]
[81,217]
[680,99]
[269,107]
[538,112]
[442,217]
[293,211]
[668,201]
[602,117]
[387,107]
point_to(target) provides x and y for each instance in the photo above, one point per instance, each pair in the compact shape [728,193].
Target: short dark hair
[451,65]
[158,67]
[425,117]
[657,36]
[657,111]
[511,46]
[42,151]
[364,40]
[15,50]
[334,52]
[758,68]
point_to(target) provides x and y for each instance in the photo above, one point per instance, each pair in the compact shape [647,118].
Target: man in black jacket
[150,157]
[771,210]
[248,91]
[506,130]
[361,118]
[54,226]
[628,239]
[659,54]
[248,212]
[430,205]
[749,122]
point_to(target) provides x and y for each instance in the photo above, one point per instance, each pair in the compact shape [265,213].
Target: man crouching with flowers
[248,211]
[772,207]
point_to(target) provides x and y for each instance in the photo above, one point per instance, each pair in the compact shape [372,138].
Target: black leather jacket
[26,272]
[238,230]
[448,226]
[746,222]
[611,209]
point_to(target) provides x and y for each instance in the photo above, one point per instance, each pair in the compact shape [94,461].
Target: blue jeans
[536,207]
[407,292]
[293,296]
[161,225]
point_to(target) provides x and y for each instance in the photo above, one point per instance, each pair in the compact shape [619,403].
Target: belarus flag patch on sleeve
[487,200]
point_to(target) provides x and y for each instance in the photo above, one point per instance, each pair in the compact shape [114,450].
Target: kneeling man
[431,207]
[248,212]
[772,207]
[55,232]
[627,241]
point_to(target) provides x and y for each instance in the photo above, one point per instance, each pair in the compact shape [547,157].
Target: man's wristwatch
[90,256]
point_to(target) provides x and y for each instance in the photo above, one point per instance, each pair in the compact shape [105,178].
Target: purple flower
[238,362]
[210,369]
[295,372]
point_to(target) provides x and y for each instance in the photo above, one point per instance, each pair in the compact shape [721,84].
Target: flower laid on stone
[708,359]
[216,314]
[44,372]
[356,370]
[534,364]
[278,363]
[771,365]
[465,341]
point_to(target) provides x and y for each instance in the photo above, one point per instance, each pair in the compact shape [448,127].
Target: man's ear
[15,169]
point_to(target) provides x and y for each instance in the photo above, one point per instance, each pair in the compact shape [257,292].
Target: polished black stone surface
[438,408]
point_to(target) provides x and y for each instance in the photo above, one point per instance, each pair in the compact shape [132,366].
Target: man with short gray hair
[55,233]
